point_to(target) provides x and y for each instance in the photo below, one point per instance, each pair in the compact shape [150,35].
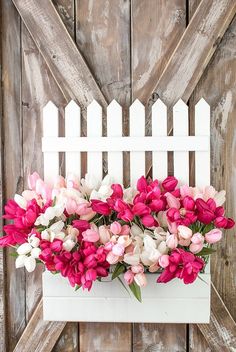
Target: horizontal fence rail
[159,144]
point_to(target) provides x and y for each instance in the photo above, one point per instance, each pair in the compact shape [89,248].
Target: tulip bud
[30,264]
[24,248]
[115,227]
[172,241]
[148,221]
[188,203]
[118,249]
[164,260]
[213,236]
[20,261]
[170,183]
[140,279]
[136,269]
[184,232]
[129,277]
[112,258]
[68,245]
[35,253]
[32,179]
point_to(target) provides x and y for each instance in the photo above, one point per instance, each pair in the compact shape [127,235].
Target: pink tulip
[213,236]
[140,279]
[115,227]
[142,184]
[170,183]
[189,203]
[125,230]
[148,221]
[43,190]
[118,249]
[59,182]
[112,258]
[129,277]
[32,179]
[91,275]
[164,260]
[184,232]
[90,235]
[172,201]
[140,209]
[100,207]
[197,243]
[71,206]
[172,241]
[104,234]
[136,269]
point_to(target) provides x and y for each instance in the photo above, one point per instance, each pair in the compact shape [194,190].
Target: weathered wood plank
[60,52]
[39,335]
[156,28]
[39,86]
[194,50]
[2,257]
[12,173]
[217,86]
[102,35]
[221,332]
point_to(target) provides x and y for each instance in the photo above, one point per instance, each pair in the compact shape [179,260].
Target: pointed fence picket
[137,143]
[170,303]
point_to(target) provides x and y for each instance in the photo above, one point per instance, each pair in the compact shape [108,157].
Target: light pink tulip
[108,246]
[60,182]
[172,201]
[32,179]
[136,269]
[129,277]
[164,260]
[72,181]
[112,258]
[104,234]
[154,268]
[118,249]
[71,206]
[90,235]
[115,228]
[213,236]
[43,189]
[124,240]
[172,241]
[125,230]
[140,279]
[184,232]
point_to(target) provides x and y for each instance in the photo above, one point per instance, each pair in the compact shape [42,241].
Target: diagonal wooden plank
[60,52]
[220,334]
[194,51]
[39,335]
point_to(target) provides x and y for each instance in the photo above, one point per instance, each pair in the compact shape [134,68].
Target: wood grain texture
[2,252]
[217,86]
[194,50]
[39,335]
[39,86]
[102,35]
[156,28]
[13,165]
[59,51]
[221,332]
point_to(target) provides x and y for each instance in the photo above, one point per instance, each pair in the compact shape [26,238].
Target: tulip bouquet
[86,230]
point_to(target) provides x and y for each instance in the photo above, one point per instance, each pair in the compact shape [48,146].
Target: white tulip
[107,180]
[45,235]
[57,226]
[21,201]
[34,241]
[24,248]
[30,264]
[20,261]
[35,253]
[133,258]
[68,245]
[162,248]
[136,230]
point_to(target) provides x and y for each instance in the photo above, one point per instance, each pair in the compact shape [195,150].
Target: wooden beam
[39,335]
[60,52]
[194,51]
[220,334]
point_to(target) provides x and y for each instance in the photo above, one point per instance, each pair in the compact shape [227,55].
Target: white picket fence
[181,143]
[109,301]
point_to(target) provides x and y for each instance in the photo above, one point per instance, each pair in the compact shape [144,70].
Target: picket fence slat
[137,129]
[180,128]
[50,129]
[94,129]
[72,129]
[136,143]
[202,158]
[159,128]
[114,129]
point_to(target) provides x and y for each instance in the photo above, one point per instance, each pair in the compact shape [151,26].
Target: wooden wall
[126,44]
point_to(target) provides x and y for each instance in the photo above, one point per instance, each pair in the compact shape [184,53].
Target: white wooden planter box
[108,301]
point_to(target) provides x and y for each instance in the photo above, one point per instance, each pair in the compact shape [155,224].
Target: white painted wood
[114,129]
[202,158]
[108,301]
[137,129]
[159,128]
[50,129]
[94,129]
[135,144]
[72,129]
[180,128]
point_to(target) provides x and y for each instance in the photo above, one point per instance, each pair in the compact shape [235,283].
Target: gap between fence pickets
[137,143]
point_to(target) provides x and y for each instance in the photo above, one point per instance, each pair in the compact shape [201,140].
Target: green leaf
[77,287]
[119,269]
[205,251]
[122,283]
[207,228]
[135,289]
[14,254]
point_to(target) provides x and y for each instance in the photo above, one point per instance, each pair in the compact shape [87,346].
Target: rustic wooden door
[124,49]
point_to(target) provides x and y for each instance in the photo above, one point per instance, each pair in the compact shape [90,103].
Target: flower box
[108,301]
